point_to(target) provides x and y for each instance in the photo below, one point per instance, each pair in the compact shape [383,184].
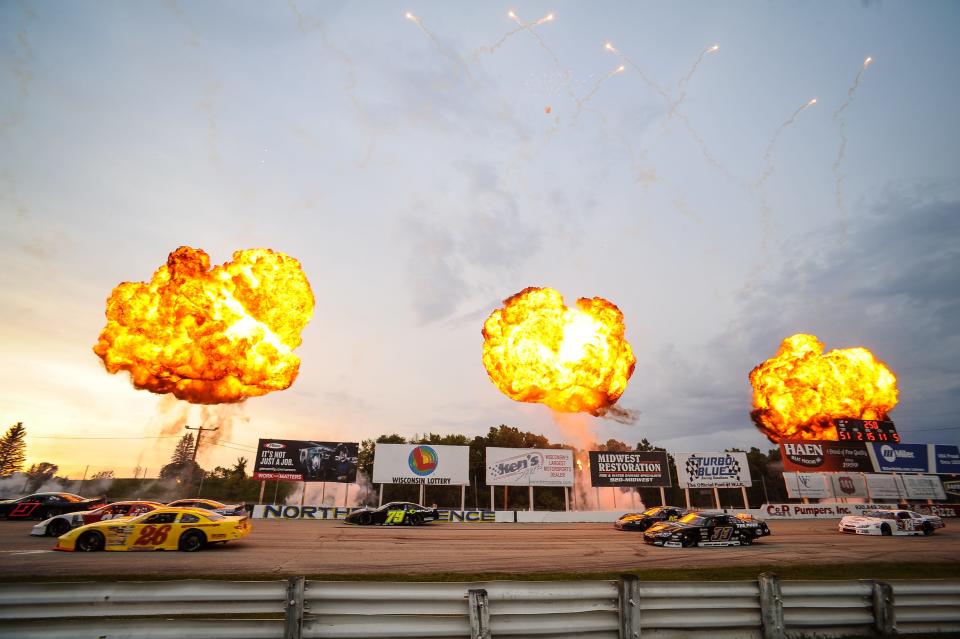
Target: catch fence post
[771,606]
[629,591]
[293,624]
[479,613]
[884,617]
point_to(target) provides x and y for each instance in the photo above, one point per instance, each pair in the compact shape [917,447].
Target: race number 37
[152,535]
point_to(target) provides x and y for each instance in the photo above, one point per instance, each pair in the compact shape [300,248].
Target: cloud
[894,288]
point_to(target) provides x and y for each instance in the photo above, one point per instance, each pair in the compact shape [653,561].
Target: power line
[141,437]
[926,429]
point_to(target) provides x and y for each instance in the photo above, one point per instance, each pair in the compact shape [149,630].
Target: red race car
[61,524]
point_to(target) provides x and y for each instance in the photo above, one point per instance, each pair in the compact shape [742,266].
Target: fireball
[536,349]
[800,391]
[210,336]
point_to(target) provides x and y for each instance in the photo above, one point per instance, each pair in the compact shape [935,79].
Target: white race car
[890,522]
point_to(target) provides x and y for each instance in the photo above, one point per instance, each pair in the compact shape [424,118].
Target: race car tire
[414,519]
[58,527]
[688,542]
[90,541]
[885,530]
[192,541]
[364,519]
[746,539]
[927,529]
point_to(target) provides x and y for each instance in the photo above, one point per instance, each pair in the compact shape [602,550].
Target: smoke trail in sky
[442,49]
[596,87]
[842,151]
[768,153]
[682,84]
[520,27]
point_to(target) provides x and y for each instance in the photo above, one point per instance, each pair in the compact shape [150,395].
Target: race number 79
[395,517]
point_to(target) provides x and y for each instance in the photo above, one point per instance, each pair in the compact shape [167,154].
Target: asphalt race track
[284,548]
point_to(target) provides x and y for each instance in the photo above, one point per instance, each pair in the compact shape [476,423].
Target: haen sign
[824,456]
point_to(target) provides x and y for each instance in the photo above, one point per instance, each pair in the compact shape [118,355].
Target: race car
[46,505]
[890,522]
[396,513]
[210,504]
[56,526]
[642,521]
[706,529]
[187,529]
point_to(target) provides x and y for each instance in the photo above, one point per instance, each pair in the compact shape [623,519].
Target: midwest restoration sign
[709,470]
[529,467]
[632,468]
[296,460]
[429,464]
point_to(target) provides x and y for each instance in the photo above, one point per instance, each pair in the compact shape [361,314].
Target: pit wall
[767,511]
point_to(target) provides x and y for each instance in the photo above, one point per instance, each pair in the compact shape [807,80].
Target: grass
[873,570]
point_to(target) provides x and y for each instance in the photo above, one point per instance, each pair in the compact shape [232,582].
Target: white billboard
[708,470]
[884,486]
[429,464]
[812,485]
[848,485]
[529,467]
[923,487]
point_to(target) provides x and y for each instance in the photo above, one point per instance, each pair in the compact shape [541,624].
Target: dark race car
[396,513]
[210,504]
[46,505]
[61,524]
[706,529]
[642,521]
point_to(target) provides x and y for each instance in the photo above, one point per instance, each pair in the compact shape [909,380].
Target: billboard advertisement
[811,485]
[824,456]
[848,485]
[630,468]
[901,458]
[429,464]
[923,487]
[884,486]
[946,459]
[529,467]
[298,460]
[709,470]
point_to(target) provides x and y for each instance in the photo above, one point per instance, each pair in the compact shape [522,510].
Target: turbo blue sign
[901,458]
[946,459]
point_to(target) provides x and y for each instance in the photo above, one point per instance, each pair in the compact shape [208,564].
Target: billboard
[824,456]
[529,467]
[848,485]
[923,487]
[901,458]
[884,486]
[709,470]
[630,468]
[812,485]
[429,464]
[946,459]
[297,460]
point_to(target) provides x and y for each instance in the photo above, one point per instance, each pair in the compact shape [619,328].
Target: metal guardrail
[626,609]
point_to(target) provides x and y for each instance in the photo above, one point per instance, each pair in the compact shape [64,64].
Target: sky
[424,170]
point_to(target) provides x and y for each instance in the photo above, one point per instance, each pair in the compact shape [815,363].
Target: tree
[239,470]
[103,474]
[39,474]
[13,449]
[182,466]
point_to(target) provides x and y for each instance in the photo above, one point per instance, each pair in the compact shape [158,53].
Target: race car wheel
[688,541]
[885,530]
[192,541]
[90,541]
[414,519]
[746,539]
[364,519]
[58,527]
[927,529]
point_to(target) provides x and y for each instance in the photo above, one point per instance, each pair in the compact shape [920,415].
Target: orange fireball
[536,349]
[800,391]
[210,336]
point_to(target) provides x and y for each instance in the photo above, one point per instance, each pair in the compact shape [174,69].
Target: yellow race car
[187,529]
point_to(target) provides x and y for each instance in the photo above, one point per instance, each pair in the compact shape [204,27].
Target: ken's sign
[297,460]
[529,467]
[709,470]
[824,456]
[631,468]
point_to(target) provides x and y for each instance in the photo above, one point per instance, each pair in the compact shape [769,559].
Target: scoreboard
[866,430]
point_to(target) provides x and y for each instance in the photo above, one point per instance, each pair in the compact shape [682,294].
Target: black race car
[45,505]
[396,513]
[642,521]
[706,529]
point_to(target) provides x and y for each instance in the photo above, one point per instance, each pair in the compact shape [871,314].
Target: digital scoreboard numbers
[866,430]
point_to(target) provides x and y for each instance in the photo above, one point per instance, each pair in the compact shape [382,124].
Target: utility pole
[196,446]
